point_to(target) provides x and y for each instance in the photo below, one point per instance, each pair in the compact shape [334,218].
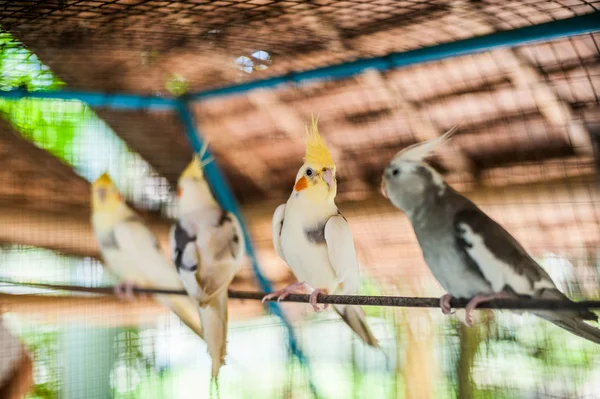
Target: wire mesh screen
[525,152]
[149,46]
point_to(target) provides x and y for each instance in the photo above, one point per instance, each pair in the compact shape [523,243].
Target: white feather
[276,229]
[496,271]
[138,259]
[308,260]
[342,254]
[145,260]
[419,151]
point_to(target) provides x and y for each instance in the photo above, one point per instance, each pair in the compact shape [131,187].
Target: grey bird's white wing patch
[276,227]
[500,259]
[342,254]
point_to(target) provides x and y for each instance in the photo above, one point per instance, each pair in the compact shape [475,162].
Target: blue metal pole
[227,200]
[102,100]
[583,24]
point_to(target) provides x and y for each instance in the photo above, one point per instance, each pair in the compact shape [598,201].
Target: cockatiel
[131,252]
[313,238]
[470,254]
[208,248]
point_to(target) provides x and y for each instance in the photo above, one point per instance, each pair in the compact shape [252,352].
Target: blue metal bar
[578,25]
[102,100]
[227,200]
[547,31]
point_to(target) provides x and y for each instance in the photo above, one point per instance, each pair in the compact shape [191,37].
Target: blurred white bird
[131,252]
[208,248]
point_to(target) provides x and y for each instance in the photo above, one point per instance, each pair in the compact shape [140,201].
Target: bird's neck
[105,219]
[434,206]
[309,210]
[196,197]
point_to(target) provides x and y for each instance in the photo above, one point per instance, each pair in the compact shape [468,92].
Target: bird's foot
[472,304]
[313,299]
[284,292]
[445,304]
[124,291]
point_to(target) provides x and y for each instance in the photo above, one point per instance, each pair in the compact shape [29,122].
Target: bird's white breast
[309,261]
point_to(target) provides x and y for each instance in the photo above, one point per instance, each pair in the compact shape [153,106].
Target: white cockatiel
[131,252]
[470,254]
[314,239]
[208,248]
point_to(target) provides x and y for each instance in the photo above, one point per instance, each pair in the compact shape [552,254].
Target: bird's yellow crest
[317,153]
[105,195]
[195,168]
[103,180]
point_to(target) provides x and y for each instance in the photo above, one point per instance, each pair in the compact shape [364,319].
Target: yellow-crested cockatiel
[314,239]
[131,252]
[208,248]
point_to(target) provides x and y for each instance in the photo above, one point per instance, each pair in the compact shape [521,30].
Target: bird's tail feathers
[214,320]
[570,321]
[354,316]
[572,324]
[184,308]
[557,295]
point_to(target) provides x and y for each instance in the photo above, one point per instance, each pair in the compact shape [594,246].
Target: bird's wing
[492,252]
[184,253]
[186,257]
[141,248]
[277,225]
[214,320]
[142,252]
[342,254]
[222,250]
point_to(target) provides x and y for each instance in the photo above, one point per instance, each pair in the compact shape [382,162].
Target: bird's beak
[328,177]
[382,188]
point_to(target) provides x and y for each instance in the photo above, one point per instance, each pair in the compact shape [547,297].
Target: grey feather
[228,237]
[182,241]
[498,241]
[109,241]
[316,234]
[462,245]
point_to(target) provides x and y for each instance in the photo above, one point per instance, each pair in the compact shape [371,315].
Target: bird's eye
[396,172]
[309,172]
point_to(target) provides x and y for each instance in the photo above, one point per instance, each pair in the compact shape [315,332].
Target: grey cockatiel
[314,239]
[470,254]
[208,248]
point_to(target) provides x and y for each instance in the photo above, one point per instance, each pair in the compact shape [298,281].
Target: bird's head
[407,180]
[316,178]
[105,196]
[192,184]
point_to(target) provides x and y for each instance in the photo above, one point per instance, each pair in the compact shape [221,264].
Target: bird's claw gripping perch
[283,293]
[313,299]
[445,304]
[125,291]
[472,304]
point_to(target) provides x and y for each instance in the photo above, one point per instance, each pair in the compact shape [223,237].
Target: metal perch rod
[363,300]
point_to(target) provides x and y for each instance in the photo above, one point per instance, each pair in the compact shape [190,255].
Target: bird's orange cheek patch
[180,191]
[301,184]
